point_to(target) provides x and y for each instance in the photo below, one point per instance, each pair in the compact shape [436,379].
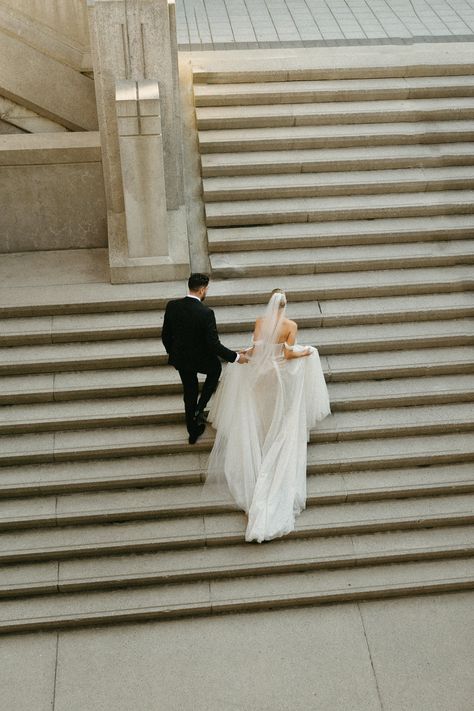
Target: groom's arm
[166,333]
[213,343]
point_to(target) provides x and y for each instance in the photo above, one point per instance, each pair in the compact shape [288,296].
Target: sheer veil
[264,347]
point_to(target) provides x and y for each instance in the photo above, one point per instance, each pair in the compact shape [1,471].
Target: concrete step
[393,282]
[338,136]
[156,409]
[331,90]
[337,234]
[99,475]
[237,561]
[174,502]
[401,392]
[375,337]
[135,382]
[333,113]
[161,471]
[79,385]
[133,353]
[321,160]
[201,598]
[399,364]
[228,528]
[336,208]
[147,324]
[316,260]
[107,298]
[81,356]
[106,442]
[66,299]
[355,182]
[389,309]
[81,327]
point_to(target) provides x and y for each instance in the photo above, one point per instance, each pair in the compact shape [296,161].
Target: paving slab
[422,650]
[55,268]
[27,671]
[290,22]
[219,665]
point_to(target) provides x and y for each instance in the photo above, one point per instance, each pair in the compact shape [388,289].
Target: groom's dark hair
[197,280]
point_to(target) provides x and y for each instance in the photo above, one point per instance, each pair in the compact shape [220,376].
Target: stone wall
[67,18]
[52,192]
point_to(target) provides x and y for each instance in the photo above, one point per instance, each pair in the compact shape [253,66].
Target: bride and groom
[262,412]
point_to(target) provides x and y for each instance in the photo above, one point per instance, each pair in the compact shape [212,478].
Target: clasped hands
[243,357]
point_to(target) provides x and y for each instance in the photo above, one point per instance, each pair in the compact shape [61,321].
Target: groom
[192,343]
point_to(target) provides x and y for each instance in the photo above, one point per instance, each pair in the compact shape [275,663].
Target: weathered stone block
[131,43]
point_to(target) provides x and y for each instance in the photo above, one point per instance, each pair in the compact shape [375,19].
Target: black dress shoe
[193,438]
[199,417]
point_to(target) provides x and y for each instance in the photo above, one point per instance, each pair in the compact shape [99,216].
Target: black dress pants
[192,401]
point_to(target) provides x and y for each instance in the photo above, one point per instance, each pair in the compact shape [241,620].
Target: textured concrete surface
[67,267]
[227,24]
[33,215]
[27,672]
[395,655]
[422,651]
[305,660]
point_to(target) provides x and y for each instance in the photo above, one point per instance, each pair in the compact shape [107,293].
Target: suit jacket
[190,336]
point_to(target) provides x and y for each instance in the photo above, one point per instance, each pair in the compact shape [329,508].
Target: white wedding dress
[262,413]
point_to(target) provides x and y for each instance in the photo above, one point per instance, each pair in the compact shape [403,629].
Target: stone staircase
[356,197]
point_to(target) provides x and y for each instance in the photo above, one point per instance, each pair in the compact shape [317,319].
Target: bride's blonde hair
[283,300]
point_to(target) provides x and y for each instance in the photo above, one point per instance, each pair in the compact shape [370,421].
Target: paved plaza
[240,24]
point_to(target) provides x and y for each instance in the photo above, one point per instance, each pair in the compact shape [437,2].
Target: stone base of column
[175,266]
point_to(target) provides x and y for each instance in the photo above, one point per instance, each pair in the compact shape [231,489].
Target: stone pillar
[143,176]
[142,155]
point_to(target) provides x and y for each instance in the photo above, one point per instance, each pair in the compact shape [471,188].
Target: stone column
[143,176]
[131,41]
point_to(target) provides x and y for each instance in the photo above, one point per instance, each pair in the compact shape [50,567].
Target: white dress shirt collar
[192,296]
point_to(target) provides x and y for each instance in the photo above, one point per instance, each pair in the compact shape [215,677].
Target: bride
[262,415]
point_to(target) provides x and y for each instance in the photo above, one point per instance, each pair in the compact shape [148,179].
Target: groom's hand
[242,357]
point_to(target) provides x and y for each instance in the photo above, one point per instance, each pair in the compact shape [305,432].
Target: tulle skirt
[262,427]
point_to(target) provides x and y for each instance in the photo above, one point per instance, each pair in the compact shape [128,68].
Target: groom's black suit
[192,343]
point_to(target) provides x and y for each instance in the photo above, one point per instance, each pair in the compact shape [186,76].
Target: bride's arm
[255,337]
[288,349]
